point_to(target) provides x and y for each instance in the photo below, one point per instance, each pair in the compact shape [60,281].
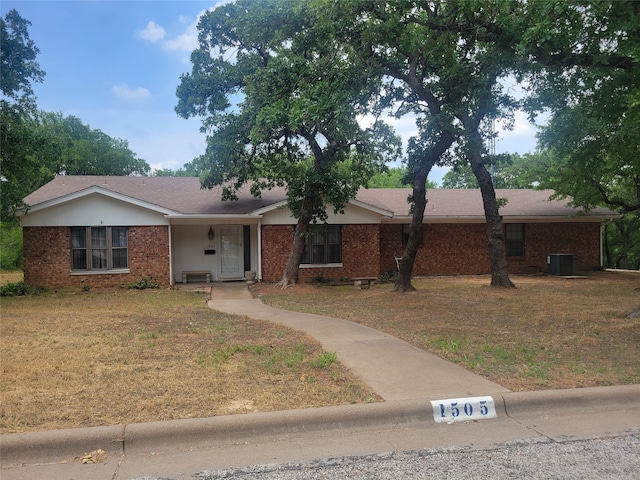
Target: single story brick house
[107,231]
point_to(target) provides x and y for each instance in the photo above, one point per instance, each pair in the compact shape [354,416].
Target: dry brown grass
[72,359]
[79,359]
[548,333]
[11,276]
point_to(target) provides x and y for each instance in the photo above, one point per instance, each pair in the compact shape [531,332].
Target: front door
[231,252]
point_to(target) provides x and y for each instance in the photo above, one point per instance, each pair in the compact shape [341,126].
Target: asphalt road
[602,458]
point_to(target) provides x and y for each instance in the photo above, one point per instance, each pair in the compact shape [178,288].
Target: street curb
[555,402]
[181,435]
[58,445]
[214,431]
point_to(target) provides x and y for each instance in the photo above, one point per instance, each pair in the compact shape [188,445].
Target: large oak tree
[443,61]
[281,104]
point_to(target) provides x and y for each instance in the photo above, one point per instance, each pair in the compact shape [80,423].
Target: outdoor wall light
[210,234]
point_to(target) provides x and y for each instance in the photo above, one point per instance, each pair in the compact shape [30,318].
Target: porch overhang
[216,217]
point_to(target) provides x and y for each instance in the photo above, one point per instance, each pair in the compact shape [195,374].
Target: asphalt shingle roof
[185,196]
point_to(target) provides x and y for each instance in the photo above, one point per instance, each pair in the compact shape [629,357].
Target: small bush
[142,284]
[15,289]
[10,246]
[320,279]
[389,276]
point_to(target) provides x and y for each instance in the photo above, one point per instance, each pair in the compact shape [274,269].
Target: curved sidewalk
[394,369]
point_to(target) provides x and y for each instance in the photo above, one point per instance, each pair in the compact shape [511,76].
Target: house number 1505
[463,409]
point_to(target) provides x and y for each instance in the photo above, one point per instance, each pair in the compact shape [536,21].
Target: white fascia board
[366,206]
[557,219]
[354,202]
[505,219]
[100,191]
[269,208]
[433,219]
[211,216]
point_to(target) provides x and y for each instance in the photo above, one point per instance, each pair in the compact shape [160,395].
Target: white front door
[231,252]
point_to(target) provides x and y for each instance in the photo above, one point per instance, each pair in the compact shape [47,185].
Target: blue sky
[116,65]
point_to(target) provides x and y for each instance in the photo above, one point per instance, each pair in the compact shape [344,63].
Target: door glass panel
[231,253]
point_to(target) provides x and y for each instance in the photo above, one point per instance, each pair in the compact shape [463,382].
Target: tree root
[634,314]
[284,283]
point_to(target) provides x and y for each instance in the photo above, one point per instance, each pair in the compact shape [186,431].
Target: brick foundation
[148,257]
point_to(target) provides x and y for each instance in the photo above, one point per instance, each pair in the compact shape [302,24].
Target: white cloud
[521,127]
[123,92]
[153,33]
[186,42]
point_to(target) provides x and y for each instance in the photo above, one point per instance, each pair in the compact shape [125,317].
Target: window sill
[100,272]
[321,265]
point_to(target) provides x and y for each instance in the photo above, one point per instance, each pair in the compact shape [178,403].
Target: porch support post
[259,269]
[170,255]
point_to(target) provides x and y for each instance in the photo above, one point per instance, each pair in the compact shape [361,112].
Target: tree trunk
[625,241]
[403,280]
[608,254]
[419,181]
[290,275]
[495,232]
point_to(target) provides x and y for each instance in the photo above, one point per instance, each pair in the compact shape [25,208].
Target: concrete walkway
[394,369]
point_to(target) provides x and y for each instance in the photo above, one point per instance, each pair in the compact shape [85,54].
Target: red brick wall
[580,239]
[449,249]
[149,253]
[367,250]
[276,245]
[47,258]
[360,253]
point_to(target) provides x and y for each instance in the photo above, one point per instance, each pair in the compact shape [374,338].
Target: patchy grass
[80,359]
[548,333]
[11,276]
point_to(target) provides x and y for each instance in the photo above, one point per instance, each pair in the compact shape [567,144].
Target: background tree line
[36,145]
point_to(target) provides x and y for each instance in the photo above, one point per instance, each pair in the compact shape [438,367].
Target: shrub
[14,289]
[10,247]
[142,284]
[320,279]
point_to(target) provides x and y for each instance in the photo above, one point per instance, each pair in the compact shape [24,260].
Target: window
[406,230]
[323,244]
[514,237]
[99,248]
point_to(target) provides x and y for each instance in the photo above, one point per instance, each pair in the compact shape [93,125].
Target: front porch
[206,252]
